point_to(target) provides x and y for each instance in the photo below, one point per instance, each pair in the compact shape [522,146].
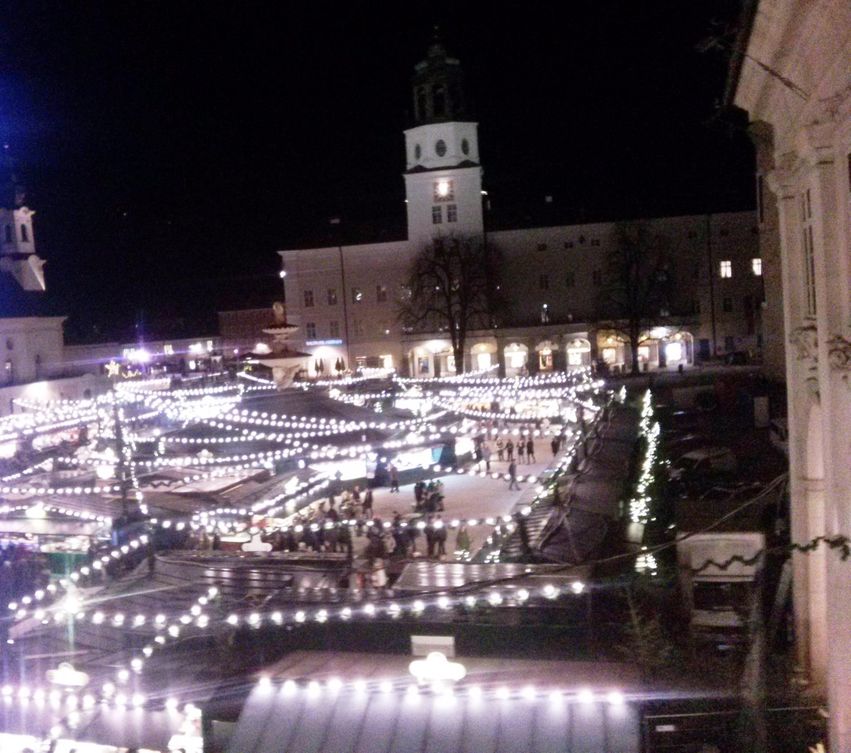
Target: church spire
[438,86]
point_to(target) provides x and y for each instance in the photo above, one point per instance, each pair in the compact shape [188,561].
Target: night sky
[169,149]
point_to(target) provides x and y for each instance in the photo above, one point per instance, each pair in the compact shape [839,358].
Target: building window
[332,296]
[570,279]
[8,233]
[418,152]
[381,293]
[452,213]
[357,295]
[724,232]
[581,240]
[544,282]
[726,268]
[25,234]
[692,234]
[809,252]
[310,329]
[358,327]
[545,313]
[727,305]
[597,277]
[308,299]
[595,241]
[334,329]
[437,215]
[756,266]
[568,244]
[695,306]
[444,190]
[542,247]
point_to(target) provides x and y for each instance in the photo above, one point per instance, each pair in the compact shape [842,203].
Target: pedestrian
[400,536]
[509,450]
[462,542]
[554,444]
[512,476]
[430,540]
[486,456]
[367,504]
[440,537]
[419,490]
[394,479]
[530,451]
[521,450]
[500,449]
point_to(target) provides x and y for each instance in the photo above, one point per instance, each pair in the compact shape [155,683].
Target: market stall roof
[362,702]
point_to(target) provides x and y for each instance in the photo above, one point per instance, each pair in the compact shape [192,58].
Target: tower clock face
[440,148]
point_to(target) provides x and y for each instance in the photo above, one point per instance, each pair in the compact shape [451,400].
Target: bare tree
[636,294]
[449,290]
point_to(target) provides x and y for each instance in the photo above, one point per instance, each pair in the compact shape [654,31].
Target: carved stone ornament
[805,340]
[839,356]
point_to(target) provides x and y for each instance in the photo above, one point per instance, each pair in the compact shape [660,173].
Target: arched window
[25,234]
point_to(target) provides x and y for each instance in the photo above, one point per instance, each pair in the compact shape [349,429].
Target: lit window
[452,213]
[334,329]
[332,296]
[310,329]
[726,268]
[545,313]
[168,349]
[308,299]
[381,293]
[444,190]
[544,282]
[756,266]
[436,215]
[357,295]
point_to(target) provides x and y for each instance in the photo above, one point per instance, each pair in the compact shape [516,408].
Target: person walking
[367,504]
[462,542]
[512,476]
[530,451]
[500,449]
[394,479]
[521,450]
[554,445]
[430,540]
[440,537]
[509,450]
[486,456]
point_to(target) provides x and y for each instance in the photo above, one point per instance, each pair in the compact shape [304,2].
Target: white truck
[720,598]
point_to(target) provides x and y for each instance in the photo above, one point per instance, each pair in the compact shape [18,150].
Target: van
[778,435]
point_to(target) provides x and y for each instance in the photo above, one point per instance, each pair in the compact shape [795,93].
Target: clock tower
[443,176]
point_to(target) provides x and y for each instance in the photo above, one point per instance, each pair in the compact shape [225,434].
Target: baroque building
[791,72]
[345,297]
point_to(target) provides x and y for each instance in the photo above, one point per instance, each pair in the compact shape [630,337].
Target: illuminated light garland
[639,503]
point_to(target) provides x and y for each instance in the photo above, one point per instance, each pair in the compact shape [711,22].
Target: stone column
[559,354]
[531,358]
[825,157]
[500,357]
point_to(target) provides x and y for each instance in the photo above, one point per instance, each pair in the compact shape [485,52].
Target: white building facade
[795,84]
[345,298]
